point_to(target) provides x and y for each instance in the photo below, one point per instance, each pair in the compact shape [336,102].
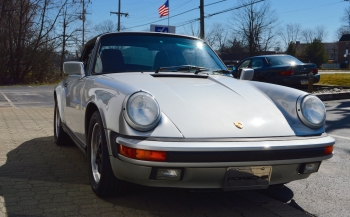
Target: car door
[257,64]
[74,111]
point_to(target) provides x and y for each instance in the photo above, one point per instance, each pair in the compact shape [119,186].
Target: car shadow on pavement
[42,179]
[284,195]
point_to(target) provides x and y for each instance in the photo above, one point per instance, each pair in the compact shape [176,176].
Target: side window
[257,63]
[245,64]
[86,56]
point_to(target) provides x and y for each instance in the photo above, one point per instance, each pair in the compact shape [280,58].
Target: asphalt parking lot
[38,178]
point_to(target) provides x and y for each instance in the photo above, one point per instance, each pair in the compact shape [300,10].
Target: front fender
[285,98]
[109,97]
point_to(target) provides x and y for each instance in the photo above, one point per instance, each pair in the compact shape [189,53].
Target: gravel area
[330,89]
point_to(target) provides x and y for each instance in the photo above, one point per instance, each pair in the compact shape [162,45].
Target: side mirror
[247,74]
[73,68]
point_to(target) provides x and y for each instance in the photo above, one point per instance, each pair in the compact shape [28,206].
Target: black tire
[61,137]
[102,179]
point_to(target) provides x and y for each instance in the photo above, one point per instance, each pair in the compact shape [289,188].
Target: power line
[312,7]
[220,12]
[175,15]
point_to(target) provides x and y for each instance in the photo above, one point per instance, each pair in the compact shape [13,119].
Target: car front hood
[212,106]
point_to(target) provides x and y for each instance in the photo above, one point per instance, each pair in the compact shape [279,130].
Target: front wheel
[102,180]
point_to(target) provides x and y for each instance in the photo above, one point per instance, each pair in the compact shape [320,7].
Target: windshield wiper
[222,71]
[184,68]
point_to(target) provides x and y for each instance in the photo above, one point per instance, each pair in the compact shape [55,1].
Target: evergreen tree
[291,50]
[316,52]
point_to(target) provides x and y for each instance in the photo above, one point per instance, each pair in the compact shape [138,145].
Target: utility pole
[83,18]
[201,9]
[64,39]
[119,13]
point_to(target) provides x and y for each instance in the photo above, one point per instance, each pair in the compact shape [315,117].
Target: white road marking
[341,137]
[9,101]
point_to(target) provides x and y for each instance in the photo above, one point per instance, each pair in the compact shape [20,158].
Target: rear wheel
[102,180]
[61,137]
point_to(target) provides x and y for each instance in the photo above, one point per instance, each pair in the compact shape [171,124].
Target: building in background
[343,50]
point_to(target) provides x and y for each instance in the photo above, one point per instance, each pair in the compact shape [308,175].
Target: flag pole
[169,11]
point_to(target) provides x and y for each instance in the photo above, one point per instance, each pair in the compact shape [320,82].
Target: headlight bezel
[131,121]
[301,114]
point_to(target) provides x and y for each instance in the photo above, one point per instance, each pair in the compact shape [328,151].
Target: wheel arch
[57,94]
[90,109]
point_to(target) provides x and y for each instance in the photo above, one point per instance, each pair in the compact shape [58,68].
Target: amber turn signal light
[140,154]
[328,150]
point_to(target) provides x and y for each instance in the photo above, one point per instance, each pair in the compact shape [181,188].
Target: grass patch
[337,79]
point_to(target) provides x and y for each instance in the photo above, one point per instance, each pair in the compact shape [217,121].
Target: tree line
[33,35]
[37,36]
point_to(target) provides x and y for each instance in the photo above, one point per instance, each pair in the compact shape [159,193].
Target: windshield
[137,52]
[283,60]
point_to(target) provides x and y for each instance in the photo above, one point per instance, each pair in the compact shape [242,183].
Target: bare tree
[308,35]
[192,29]
[218,33]
[256,24]
[341,31]
[69,31]
[27,32]
[289,33]
[105,26]
[345,28]
[235,44]
[320,32]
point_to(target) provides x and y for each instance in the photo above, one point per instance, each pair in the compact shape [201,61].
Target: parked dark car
[278,69]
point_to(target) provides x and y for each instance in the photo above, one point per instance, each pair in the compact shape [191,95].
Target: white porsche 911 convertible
[162,110]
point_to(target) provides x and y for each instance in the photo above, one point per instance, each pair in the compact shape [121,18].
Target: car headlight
[311,111]
[141,111]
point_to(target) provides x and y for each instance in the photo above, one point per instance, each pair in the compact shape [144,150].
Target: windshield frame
[213,55]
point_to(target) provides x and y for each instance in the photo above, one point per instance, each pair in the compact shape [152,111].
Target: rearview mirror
[247,74]
[73,68]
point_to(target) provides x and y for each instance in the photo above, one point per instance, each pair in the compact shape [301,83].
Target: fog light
[168,174]
[309,167]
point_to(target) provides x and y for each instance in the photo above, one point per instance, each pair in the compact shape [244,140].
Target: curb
[332,96]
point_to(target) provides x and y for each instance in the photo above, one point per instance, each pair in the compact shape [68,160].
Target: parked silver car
[155,109]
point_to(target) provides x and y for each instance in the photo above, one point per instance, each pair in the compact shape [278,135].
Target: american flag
[164,9]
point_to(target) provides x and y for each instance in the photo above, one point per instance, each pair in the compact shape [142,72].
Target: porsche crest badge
[239,125]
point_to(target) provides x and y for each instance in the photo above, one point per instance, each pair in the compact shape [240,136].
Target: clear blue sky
[308,13]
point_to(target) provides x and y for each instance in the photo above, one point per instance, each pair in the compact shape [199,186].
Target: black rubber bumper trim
[244,156]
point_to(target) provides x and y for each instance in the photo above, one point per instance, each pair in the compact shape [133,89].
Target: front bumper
[201,173]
